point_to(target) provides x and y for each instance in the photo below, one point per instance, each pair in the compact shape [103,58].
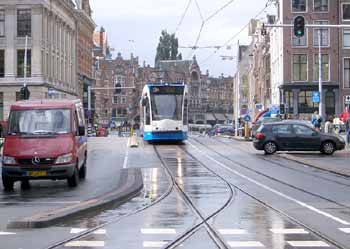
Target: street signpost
[316,97]
[347,99]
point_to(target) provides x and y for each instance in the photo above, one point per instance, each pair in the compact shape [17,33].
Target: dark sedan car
[295,136]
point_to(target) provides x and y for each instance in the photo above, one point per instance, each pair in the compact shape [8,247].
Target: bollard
[246,131]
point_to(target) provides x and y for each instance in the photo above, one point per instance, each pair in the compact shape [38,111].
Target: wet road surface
[212,193]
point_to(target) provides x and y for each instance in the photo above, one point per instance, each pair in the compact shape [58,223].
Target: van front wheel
[74,179]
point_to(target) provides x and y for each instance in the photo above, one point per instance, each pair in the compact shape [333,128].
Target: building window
[299,67]
[299,42]
[289,101]
[346,38]
[115,100]
[321,5]
[346,11]
[330,103]
[2,63]
[325,67]
[299,5]
[20,63]
[2,23]
[305,104]
[24,22]
[324,35]
[347,73]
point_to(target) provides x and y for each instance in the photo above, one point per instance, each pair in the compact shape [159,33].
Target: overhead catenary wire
[183,16]
[235,35]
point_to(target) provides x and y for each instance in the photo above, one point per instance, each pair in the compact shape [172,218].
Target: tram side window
[148,113]
[186,112]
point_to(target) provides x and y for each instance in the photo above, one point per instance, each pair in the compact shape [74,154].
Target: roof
[44,104]
[165,84]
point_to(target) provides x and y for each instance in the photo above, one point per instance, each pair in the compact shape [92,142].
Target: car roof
[44,104]
[289,122]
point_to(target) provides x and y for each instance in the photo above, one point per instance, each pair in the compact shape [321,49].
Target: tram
[164,112]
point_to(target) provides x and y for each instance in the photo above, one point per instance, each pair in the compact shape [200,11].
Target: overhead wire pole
[320,111]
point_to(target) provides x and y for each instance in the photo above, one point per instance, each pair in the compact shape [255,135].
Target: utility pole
[320,73]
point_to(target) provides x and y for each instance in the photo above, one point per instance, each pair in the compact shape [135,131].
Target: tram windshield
[166,105]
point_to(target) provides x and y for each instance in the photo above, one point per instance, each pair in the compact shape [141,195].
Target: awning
[209,116]
[220,116]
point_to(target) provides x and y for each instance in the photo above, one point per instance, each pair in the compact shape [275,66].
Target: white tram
[164,112]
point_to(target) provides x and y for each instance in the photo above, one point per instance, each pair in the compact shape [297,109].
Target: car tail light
[259,136]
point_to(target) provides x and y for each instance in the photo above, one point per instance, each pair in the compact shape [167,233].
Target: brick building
[294,61]
[85,27]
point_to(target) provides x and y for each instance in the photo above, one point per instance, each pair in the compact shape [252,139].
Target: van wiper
[42,132]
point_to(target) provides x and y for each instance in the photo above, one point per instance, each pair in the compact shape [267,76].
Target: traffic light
[299,26]
[24,93]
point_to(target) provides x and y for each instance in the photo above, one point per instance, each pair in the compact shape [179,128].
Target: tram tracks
[240,164]
[325,237]
[214,235]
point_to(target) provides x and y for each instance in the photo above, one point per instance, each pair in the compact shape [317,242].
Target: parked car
[295,136]
[220,129]
[45,139]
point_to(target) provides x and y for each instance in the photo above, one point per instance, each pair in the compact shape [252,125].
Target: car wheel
[82,170]
[270,148]
[7,183]
[328,148]
[25,185]
[74,179]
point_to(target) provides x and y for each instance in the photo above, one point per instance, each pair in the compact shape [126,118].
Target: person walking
[316,120]
[347,129]
[328,127]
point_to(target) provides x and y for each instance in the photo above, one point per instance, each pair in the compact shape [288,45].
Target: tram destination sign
[167,90]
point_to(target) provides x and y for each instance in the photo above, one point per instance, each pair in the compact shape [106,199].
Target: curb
[307,163]
[130,185]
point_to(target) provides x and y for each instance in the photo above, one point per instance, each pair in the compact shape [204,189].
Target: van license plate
[37,173]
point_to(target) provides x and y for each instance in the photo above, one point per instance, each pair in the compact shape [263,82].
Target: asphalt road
[206,193]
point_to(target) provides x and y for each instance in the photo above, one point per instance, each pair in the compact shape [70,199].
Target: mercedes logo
[36,160]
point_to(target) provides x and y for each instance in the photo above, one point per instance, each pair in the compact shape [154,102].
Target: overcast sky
[142,21]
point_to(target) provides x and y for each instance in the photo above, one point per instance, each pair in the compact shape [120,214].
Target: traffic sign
[316,97]
[247,118]
[347,99]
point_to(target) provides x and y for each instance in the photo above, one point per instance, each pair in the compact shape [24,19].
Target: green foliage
[167,48]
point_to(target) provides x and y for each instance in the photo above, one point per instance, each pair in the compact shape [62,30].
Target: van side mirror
[144,102]
[81,130]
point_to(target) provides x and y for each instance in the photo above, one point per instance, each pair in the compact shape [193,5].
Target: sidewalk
[338,163]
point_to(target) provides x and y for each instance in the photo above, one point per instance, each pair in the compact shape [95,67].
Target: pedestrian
[347,129]
[328,127]
[316,120]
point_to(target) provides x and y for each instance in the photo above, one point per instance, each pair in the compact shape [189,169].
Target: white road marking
[232,231]
[6,233]
[80,230]
[39,202]
[245,244]
[308,244]
[339,220]
[345,230]
[126,158]
[154,243]
[158,231]
[85,243]
[289,231]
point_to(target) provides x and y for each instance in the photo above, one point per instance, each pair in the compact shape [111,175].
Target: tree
[167,48]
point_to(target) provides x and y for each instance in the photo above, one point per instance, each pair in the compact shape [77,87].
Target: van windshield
[39,122]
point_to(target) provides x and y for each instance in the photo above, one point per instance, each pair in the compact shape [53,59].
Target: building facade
[51,56]
[85,32]
[294,61]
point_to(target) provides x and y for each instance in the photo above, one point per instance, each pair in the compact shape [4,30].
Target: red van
[45,139]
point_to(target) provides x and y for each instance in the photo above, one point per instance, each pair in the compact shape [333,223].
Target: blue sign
[50,91]
[316,97]
[247,118]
